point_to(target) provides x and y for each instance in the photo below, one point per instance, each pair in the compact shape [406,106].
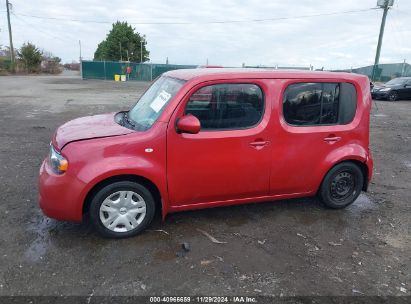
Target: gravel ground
[293,247]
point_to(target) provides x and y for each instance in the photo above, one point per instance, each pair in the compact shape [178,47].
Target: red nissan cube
[205,138]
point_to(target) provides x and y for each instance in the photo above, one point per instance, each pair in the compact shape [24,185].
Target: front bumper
[379,94]
[59,195]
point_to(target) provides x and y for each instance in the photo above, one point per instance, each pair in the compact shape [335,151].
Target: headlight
[385,89]
[58,163]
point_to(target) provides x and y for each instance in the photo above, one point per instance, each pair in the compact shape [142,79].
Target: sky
[331,34]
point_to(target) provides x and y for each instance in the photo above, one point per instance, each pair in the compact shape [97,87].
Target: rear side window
[319,103]
[227,106]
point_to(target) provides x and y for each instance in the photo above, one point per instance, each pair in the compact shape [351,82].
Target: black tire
[111,189]
[392,96]
[342,185]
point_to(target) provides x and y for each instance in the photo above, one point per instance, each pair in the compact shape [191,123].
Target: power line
[199,22]
[31,25]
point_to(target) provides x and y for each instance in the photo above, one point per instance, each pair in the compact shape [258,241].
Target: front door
[230,157]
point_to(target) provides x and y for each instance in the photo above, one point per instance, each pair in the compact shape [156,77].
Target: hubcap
[342,186]
[122,211]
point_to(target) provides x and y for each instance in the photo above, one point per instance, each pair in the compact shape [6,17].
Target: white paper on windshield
[160,101]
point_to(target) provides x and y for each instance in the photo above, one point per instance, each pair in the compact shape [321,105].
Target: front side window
[227,106]
[152,103]
[319,103]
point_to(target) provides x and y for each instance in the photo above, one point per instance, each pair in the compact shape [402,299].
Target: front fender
[92,161]
[96,172]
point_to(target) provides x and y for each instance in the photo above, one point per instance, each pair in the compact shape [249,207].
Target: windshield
[152,103]
[395,81]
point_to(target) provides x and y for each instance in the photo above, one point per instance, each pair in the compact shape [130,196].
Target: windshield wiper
[128,120]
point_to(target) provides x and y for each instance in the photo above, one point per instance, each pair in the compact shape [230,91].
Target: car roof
[235,73]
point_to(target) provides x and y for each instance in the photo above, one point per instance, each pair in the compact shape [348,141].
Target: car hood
[394,86]
[88,127]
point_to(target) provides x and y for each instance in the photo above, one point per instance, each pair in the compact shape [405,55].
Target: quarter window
[227,106]
[311,103]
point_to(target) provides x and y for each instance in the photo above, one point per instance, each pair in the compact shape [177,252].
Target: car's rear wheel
[342,185]
[122,209]
[392,96]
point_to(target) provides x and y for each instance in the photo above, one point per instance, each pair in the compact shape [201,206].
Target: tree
[49,56]
[122,43]
[50,63]
[31,57]
[5,62]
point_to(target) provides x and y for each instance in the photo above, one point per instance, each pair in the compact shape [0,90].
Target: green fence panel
[385,71]
[139,71]
[92,70]
[159,69]
[113,68]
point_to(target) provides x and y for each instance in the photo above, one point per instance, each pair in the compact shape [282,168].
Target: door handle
[259,144]
[332,139]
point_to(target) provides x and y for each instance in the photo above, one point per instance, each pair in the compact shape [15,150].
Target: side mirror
[188,124]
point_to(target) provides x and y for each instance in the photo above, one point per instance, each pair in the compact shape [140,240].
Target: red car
[205,138]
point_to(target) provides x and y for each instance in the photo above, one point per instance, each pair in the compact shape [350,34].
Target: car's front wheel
[342,185]
[392,96]
[122,209]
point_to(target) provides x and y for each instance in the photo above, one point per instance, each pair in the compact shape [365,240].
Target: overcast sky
[340,40]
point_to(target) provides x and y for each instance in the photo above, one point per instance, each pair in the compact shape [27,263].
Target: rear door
[230,158]
[315,118]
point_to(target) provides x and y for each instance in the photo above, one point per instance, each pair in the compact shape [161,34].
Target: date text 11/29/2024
[203,299]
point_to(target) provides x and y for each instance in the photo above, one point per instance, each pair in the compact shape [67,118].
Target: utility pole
[141,50]
[121,55]
[81,60]
[79,43]
[10,35]
[384,4]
